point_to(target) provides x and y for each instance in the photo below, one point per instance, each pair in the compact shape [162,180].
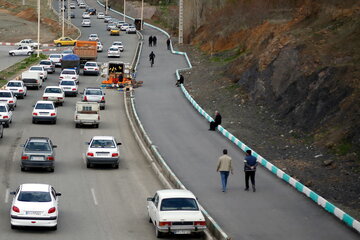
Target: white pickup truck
[87,113]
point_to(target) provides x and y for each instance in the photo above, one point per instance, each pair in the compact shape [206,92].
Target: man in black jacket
[250,164]
[216,122]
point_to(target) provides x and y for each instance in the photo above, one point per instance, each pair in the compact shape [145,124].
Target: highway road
[100,203]
[6,60]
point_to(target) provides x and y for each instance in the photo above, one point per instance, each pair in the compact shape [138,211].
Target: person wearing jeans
[224,167]
[250,164]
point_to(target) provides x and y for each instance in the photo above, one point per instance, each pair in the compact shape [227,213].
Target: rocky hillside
[298,58]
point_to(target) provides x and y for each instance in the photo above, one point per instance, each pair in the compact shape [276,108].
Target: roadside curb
[13,44]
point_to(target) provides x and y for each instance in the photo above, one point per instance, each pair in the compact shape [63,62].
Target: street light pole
[63,18]
[106,6]
[124,9]
[38,33]
[142,14]
[181,21]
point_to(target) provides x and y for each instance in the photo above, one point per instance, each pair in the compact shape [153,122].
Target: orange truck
[86,50]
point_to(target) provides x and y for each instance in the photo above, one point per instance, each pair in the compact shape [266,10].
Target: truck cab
[87,113]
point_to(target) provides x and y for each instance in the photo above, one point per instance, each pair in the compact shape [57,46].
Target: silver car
[86,23]
[38,152]
[48,65]
[94,94]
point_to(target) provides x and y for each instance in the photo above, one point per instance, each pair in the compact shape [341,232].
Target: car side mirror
[54,146]
[12,193]
[118,144]
[58,194]
[150,199]
[87,143]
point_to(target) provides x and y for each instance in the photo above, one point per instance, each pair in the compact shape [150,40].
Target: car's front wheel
[58,45]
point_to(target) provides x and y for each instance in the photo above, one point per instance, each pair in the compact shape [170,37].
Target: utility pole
[63,18]
[106,6]
[23,2]
[68,11]
[59,11]
[38,33]
[124,9]
[181,21]
[142,14]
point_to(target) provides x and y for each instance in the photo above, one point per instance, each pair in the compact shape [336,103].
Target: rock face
[298,58]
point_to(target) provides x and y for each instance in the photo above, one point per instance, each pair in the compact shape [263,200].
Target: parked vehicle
[6,116]
[86,50]
[34,205]
[175,211]
[6,96]
[44,111]
[38,152]
[102,150]
[41,70]
[48,65]
[27,42]
[87,113]
[69,87]
[94,94]
[91,68]
[32,79]
[56,58]
[54,94]
[17,88]
[25,50]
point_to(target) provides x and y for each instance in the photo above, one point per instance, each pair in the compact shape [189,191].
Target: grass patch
[228,56]
[15,69]
[343,148]
[232,87]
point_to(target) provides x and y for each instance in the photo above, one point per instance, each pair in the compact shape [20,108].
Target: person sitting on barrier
[215,123]
[180,81]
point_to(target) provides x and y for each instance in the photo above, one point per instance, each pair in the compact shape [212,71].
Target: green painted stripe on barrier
[299,186]
[330,207]
[286,177]
[274,169]
[314,196]
[348,219]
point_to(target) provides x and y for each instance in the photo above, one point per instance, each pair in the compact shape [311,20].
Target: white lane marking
[84,159]
[7,194]
[94,196]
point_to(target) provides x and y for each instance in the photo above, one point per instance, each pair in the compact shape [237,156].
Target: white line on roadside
[84,159]
[7,194]
[94,196]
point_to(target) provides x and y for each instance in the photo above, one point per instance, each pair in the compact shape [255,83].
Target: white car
[67,52]
[113,52]
[124,26]
[26,50]
[119,24]
[86,23]
[85,15]
[91,68]
[44,111]
[102,150]
[131,30]
[69,87]
[7,97]
[27,42]
[93,37]
[119,45]
[175,211]
[100,15]
[56,58]
[99,47]
[6,115]
[72,5]
[82,5]
[17,87]
[38,68]
[34,205]
[54,94]
[69,74]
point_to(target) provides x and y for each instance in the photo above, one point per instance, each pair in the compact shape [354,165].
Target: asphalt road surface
[6,59]
[99,203]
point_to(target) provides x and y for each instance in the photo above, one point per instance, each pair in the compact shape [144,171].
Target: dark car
[72,15]
[38,152]
[91,11]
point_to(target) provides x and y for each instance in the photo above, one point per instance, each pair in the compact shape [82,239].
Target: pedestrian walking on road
[152,58]
[154,40]
[168,43]
[224,167]
[150,41]
[215,123]
[180,81]
[250,164]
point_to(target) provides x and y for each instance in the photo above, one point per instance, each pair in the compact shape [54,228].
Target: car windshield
[14,84]
[68,72]
[90,64]
[67,51]
[55,56]
[102,144]
[117,43]
[36,68]
[175,204]
[3,109]
[5,94]
[53,90]
[44,106]
[38,146]
[93,92]
[26,196]
[45,63]
[114,49]
[68,83]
